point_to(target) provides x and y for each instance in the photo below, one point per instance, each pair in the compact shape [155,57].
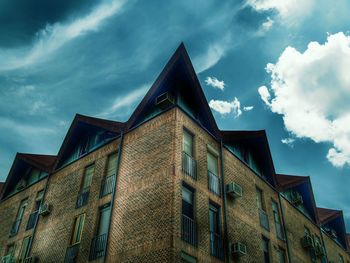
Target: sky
[278,65]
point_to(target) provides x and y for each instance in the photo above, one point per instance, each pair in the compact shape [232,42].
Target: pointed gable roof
[81,124]
[303,185]
[21,162]
[258,142]
[177,76]
[334,219]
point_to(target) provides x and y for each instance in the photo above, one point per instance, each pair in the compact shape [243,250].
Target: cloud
[248,108]
[225,107]
[289,11]
[311,90]
[288,141]
[126,101]
[215,83]
[211,56]
[52,37]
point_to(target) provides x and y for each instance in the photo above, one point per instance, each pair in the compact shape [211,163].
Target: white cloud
[311,90]
[288,141]
[289,11]
[226,107]
[215,83]
[211,57]
[126,101]
[55,36]
[248,108]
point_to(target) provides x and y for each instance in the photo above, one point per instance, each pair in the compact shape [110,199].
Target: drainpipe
[284,228]
[38,217]
[113,193]
[223,191]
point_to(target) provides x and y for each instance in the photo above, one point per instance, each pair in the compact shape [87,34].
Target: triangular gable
[257,143]
[80,128]
[178,78]
[22,163]
[331,219]
[303,186]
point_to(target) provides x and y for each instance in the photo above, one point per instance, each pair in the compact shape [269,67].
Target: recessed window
[78,229]
[266,249]
[24,249]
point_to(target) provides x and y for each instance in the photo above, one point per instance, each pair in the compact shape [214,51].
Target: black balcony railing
[189,165]
[264,220]
[189,230]
[98,247]
[15,227]
[107,185]
[82,199]
[216,245]
[214,183]
[71,254]
[280,231]
[32,220]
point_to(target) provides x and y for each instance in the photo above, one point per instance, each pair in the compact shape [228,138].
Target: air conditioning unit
[7,259]
[234,190]
[307,242]
[21,185]
[165,100]
[297,199]
[45,209]
[239,249]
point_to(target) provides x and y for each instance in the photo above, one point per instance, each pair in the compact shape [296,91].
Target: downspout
[284,228]
[113,193]
[223,191]
[38,217]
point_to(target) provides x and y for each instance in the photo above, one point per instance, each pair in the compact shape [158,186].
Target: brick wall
[334,250]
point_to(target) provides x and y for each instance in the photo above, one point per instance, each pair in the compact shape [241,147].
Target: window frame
[83,189]
[21,256]
[73,233]
[191,134]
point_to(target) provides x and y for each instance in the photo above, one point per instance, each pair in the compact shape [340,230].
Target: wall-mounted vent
[239,249]
[165,100]
[45,209]
[234,190]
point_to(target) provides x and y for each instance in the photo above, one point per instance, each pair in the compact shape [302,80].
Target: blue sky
[263,64]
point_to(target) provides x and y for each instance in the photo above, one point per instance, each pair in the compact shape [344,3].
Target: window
[112,164]
[266,249]
[77,229]
[307,231]
[38,200]
[87,180]
[212,163]
[99,242]
[34,215]
[188,225]
[187,143]
[214,226]
[23,254]
[213,178]
[281,255]
[108,182]
[186,258]
[260,199]
[341,259]
[264,220]
[277,220]
[20,213]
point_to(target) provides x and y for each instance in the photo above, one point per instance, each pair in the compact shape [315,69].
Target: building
[165,186]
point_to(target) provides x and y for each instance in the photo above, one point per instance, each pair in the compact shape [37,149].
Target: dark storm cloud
[21,20]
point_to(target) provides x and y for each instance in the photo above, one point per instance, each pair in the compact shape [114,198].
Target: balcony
[107,185]
[280,231]
[189,230]
[264,220]
[15,227]
[71,254]
[32,220]
[214,183]
[216,245]
[82,199]
[189,165]
[98,247]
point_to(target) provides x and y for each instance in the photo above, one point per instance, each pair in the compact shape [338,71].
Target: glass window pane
[259,198]
[187,195]
[24,249]
[187,258]
[112,164]
[212,163]
[89,172]
[187,143]
[105,214]
[78,228]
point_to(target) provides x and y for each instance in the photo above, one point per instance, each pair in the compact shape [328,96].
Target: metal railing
[188,230]
[82,199]
[107,185]
[280,231]
[15,227]
[214,183]
[71,254]
[264,219]
[216,245]
[98,247]
[189,165]
[32,220]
